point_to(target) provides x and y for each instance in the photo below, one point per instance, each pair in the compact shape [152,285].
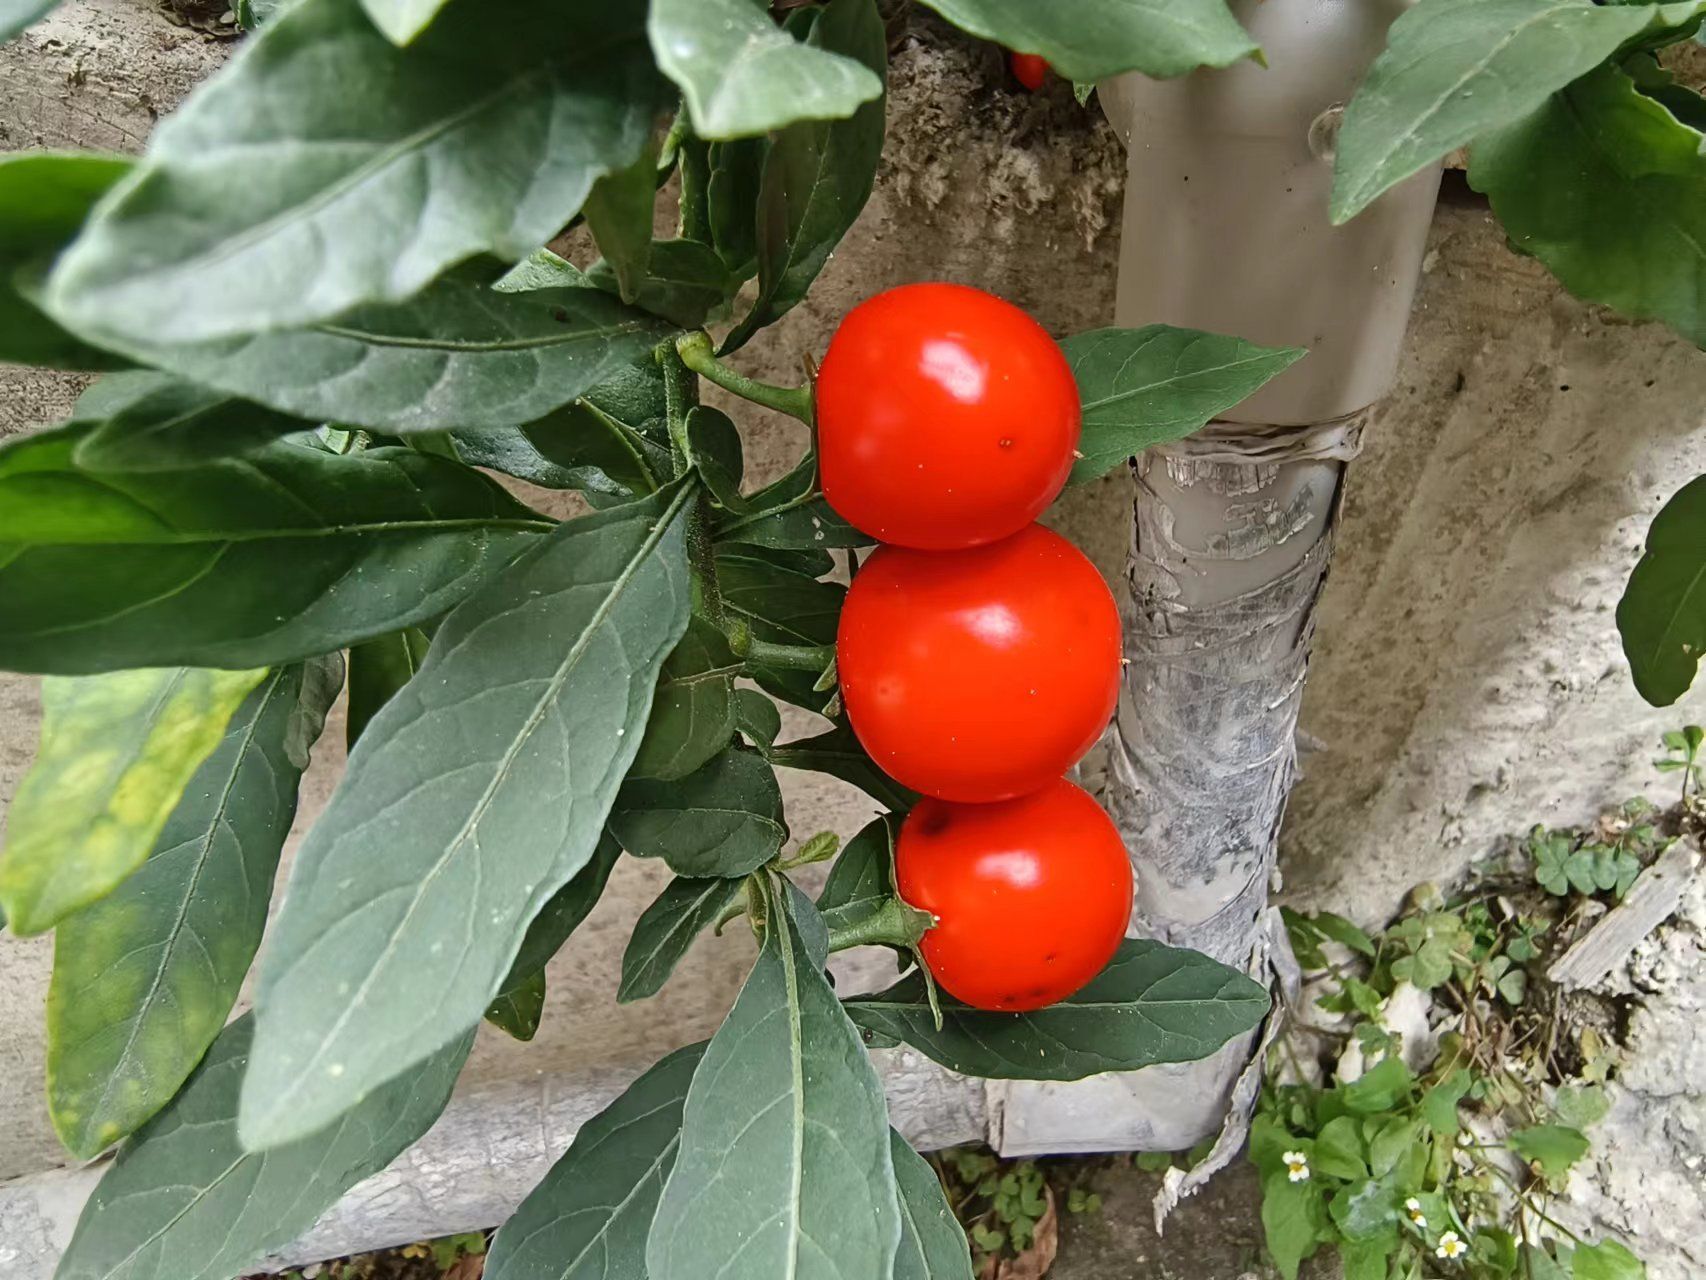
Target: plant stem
[893,924]
[698,354]
[790,657]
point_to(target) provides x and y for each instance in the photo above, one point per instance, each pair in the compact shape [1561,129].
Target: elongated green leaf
[288,552]
[724,819]
[485,783]
[731,201]
[1151,1004]
[377,669]
[1093,39]
[15,15]
[693,715]
[521,998]
[1147,386]
[619,215]
[1662,615]
[757,717]
[789,515]
[186,1200]
[667,928]
[116,754]
[370,171]
[588,1219]
[784,1167]
[517,1010]
[1606,187]
[862,878]
[577,447]
[44,198]
[459,356]
[402,20]
[838,753]
[1453,69]
[933,1244]
[784,606]
[817,176]
[1606,1260]
[684,282]
[743,75]
[143,979]
[154,422]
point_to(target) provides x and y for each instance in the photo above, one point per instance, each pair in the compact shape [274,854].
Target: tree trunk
[1226,230]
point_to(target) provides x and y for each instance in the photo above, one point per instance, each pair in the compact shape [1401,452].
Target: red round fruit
[982,674]
[1032,895]
[946,418]
[1029,69]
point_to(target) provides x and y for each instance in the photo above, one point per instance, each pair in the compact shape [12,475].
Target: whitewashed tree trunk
[1226,230]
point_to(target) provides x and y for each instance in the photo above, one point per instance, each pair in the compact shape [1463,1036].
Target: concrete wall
[1467,679]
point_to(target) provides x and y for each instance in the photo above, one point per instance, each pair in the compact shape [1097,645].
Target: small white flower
[1413,1207]
[1451,1247]
[1465,1140]
[1296,1166]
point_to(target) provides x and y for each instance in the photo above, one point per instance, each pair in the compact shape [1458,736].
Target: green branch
[893,924]
[698,354]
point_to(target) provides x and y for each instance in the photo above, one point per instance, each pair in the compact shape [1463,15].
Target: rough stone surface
[1467,679]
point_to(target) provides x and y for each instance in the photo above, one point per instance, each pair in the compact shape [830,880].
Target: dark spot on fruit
[1006,442]
[934,822]
[1051,957]
[560,315]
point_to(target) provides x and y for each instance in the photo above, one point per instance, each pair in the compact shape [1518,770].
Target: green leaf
[517,1011]
[589,1218]
[1554,1147]
[116,753]
[839,754]
[619,215]
[144,978]
[1454,69]
[685,282]
[147,421]
[15,15]
[1581,1106]
[1338,1151]
[731,198]
[1147,386]
[693,715]
[714,446]
[44,198]
[789,515]
[458,356]
[1365,1212]
[932,1242]
[861,880]
[1607,1260]
[281,555]
[579,446]
[1345,933]
[785,1166]
[1381,1088]
[1366,1260]
[782,606]
[1293,1219]
[1439,1104]
[523,988]
[1603,185]
[377,669]
[758,718]
[1662,615]
[1095,39]
[485,801]
[185,1199]
[667,928]
[817,175]
[1151,1004]
[742,75]
[371,170]
[402,20]
[724,819]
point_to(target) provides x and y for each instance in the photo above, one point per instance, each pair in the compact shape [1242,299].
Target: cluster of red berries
[978,652]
